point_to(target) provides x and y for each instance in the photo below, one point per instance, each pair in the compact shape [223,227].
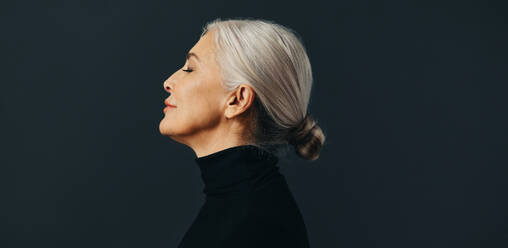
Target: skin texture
[207,118]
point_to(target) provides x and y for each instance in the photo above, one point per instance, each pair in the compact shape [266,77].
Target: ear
[239,101]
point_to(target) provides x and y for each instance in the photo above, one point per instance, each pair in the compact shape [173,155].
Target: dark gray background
[411,96]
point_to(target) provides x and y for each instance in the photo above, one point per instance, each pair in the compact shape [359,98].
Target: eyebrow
[192,54]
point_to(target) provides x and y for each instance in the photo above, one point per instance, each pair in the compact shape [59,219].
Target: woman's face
[196,93]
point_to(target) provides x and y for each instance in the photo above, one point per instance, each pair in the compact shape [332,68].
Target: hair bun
[307,138]
[299,133]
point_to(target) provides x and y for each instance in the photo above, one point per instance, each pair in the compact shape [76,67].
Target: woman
[240,98]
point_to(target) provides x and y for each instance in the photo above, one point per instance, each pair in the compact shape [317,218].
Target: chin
[169,127]
[163,128]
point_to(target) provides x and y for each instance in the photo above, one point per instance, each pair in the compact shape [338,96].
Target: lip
[169,105]
[166,109]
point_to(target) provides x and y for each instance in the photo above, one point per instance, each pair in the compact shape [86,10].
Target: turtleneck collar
[233,169]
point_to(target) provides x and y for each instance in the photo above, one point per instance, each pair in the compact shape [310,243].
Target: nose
[167,85]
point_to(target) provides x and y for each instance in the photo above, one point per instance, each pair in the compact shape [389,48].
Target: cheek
[200,108]
[203,107]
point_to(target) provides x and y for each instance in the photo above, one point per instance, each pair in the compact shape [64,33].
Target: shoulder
[255,233]
[273,220]
[266,233]
[272,199]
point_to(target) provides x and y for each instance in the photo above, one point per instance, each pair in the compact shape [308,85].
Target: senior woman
[238,101]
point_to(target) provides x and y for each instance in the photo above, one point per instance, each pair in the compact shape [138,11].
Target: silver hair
[270,58]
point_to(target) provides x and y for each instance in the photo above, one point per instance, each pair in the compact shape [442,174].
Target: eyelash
[188,70]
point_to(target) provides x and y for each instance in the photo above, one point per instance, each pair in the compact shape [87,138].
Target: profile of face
[201,104]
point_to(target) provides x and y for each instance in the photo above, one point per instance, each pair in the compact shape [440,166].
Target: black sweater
[248,203]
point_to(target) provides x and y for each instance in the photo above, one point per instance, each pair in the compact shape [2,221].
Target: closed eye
[188,70]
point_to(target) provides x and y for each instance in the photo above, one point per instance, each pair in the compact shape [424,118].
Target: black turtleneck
[248,203]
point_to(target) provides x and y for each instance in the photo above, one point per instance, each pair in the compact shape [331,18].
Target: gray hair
[272,60]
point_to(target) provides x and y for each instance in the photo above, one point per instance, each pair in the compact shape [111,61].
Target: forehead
[204,48]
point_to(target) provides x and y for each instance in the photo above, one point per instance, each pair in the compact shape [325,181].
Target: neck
[223,136]
[236,170]
[213,147]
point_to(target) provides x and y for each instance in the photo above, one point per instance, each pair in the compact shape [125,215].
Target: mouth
[166,102]
[168,106]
